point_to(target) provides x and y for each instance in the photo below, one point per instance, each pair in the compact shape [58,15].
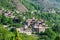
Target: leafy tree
[10,21]
[56,28]
[21,18]
[4,20]
[5,34]
[51,34]
[28,37]
[43,37]
[17,35]
[0,17]
[57,38]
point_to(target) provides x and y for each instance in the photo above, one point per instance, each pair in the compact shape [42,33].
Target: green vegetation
[5,34]
[26,37]
[5,4]
[51,19]
[28,5]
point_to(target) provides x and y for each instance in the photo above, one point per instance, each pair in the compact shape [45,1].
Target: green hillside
[11,21]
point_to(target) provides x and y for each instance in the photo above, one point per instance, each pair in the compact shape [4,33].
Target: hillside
[13,4]
[29,20]
[19,6]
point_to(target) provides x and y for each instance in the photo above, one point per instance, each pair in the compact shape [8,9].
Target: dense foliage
[5,4]
[5,34]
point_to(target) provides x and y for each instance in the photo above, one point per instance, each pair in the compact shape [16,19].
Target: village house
[20,30]
[39,27]
[6,13]
[27,31]
[52,11]
[28,21]
[36,25]
[49,10]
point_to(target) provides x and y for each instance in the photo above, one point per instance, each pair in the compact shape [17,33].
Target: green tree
[0,17]
[17,35]
[4,19]
[57,38]
[10,21]
[51,34]
[5,34]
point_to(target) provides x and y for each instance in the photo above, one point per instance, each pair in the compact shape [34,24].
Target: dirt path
[19,6]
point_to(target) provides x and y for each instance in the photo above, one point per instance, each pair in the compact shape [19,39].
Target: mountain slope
[19,6]
[48,3]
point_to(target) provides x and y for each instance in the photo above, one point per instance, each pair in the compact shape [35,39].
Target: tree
[21,19]
[5,34]
[57,38]
[10,21]
[0,17]
[51,34]
[56,28]
[4,20]
[17,35]
[43,37]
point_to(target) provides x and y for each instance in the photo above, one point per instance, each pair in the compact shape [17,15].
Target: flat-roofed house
[8,14]
[36,25]
[20,30]
[28,21]
[40,26]
[25,26]
[28,31]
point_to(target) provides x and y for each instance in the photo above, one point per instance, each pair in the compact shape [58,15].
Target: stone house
[20,30]
[36,26]
[27,31]
[39,27]
[8,14]
[28,22]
